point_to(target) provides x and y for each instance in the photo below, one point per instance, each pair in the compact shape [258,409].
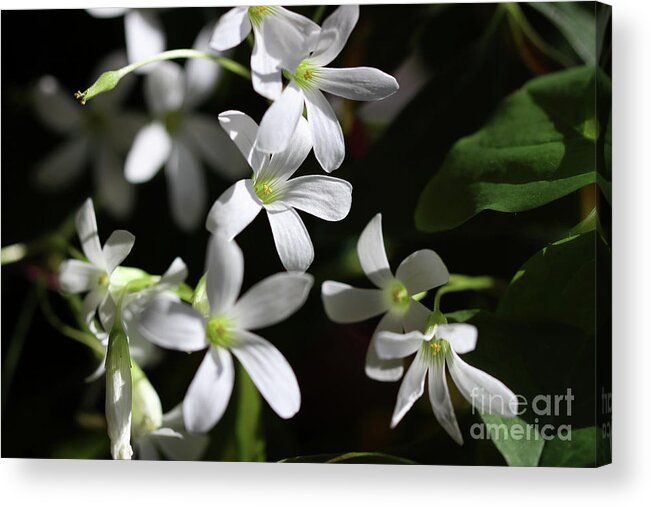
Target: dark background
[48,409]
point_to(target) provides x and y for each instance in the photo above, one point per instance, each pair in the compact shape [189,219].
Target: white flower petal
[303,24]
[358,83]
[440,399]
[116,192]
[377,368]
[150,150]
[411,389]
[187,187]
[175,274]
[372,255]
[209,141]
[265,71]
[86,224]
[165,88]
[327,137]
[285,44]
[269,371]
[416,316]
[272,300]
[106,311]
[284,164]
[279,122]
[232,28]
[234,210]
[345,304]
[190,448]
[58,110]
[116,249]
[484,392]
[90,303]
[144,35]
[398,345]
[201,74]
[334,34]
[169,323]
[322,196]
[209,392]
[292,240]
[106,12]
[118,396]
[225,269]
[462,337]
[77,276]
[423,270]
[243,131]
[63,165]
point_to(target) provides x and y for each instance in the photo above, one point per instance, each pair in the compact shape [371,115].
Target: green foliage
[580,451]
[539,146]
[248,426]
[517,450]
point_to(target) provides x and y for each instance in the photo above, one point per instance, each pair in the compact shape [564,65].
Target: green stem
[16,342]
[460,283]
[109,79]
[318,14]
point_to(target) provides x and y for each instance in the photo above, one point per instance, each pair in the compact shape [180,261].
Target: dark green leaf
[580,450]
[539,146]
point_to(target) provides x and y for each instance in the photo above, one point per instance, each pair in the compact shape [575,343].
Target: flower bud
[118,394]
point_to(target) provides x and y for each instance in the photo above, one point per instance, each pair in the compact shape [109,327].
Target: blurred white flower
[170,440]
[96,276]
[439,345]
[309,77]
[98,134]
[271,188]
[143,32]
[178,137]
[226,329]
[280,34]
[421,271]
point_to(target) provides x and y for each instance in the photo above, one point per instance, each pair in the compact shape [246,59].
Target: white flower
[98,135]
[171,440]
[279,34]
[310,77]
[143,31]
[178,137]
[118,395]
[96,276]
[271,189]
[439,345]
[421,271]
[225,330]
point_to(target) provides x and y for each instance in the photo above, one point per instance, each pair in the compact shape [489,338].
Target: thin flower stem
[82,337]
[460,283]
[17,341]
[109,79]
[318,14]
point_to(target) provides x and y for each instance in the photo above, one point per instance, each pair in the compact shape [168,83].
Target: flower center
[398,296]
[172,121]
[258,12]
[102,280]
[305,74]
[435,347]
[265,191]
[219,332]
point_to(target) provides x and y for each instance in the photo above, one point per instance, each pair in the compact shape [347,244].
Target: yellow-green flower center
[265,190]
[258,12]
[305,74]
[219,332]
[173,121]
[103,279]
[435,346]
[398,296]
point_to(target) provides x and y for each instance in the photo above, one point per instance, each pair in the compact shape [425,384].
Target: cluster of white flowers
[127,308]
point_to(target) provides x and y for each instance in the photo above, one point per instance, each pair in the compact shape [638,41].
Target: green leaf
[579,451]
[576,23]
[557,284]
[520,444]
[539,146]
[352,457]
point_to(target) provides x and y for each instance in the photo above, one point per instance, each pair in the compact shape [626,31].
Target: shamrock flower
[309,77]
[96,276]
[441,344]
[421,271]
[171,440]
[279,34]
[272,189]
[178,137]
[225,330]
[98,135]
[143,31]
